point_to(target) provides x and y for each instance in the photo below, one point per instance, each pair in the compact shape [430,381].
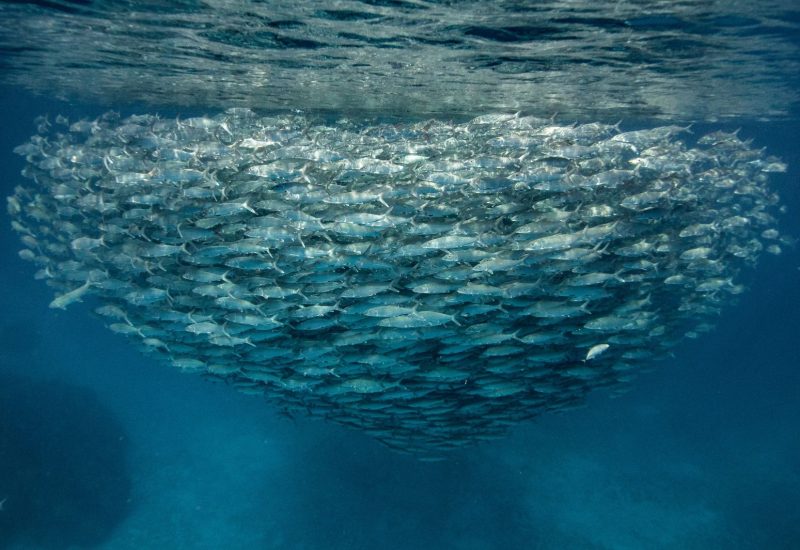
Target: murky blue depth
[104,447]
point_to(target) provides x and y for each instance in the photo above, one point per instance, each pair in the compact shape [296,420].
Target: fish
[596,351]
[431,283]
[63,300]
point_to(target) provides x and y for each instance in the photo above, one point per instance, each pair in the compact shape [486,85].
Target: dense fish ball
[428,283]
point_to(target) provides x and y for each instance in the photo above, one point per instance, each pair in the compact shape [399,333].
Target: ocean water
[102,447]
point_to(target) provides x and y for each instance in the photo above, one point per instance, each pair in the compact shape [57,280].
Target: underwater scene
[399,274]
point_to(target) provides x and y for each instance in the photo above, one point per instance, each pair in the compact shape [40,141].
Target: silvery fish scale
[429,283]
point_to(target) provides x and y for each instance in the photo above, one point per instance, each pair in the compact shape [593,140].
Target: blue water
[101,447]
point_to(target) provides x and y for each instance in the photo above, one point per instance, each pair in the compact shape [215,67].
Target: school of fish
[430,283]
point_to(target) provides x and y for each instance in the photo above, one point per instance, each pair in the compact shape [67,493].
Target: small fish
[596,351]
[74,295]
[428,282]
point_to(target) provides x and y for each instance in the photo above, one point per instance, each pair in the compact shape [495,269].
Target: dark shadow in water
[349,492]
[63,476]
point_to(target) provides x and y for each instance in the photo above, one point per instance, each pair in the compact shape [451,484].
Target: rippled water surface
[606,59]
